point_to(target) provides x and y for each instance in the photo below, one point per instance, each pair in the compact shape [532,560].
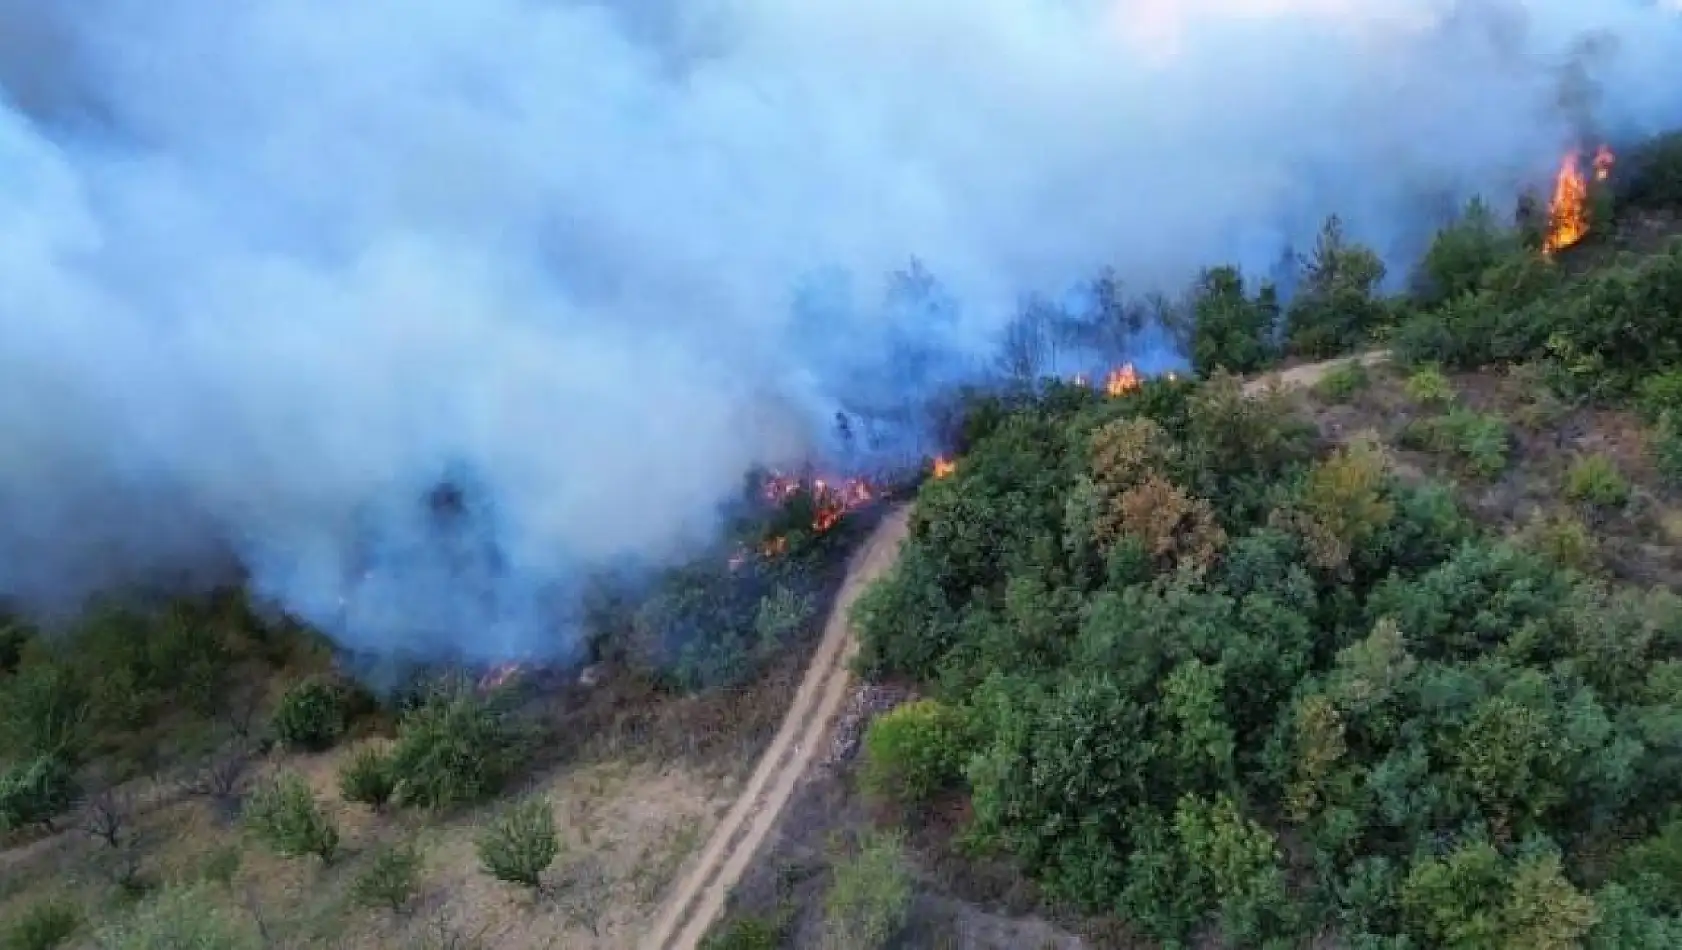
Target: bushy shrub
[457,747]
[1665,447]
[520,843]
[1562,539]
[311,715]
[368,777]
[1477,441]
[1428,386]
[180,917]
[1595,480]
[391,878]
[43,925]
[913,751]
[1341,383]
[1660,394]
[745,933]
[285,815]
[869,900]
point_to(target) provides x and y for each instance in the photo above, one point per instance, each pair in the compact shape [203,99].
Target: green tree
[1337,304]
[45,709]
[1230,330]
[1462,254]
[35,791]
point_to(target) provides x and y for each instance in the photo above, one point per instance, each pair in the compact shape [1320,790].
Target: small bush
[1595,480]
[42,925]
[179,918]
[1339,385]
[521,843]
[221,865]
[1430,387]
[284,813]
[311,715]
[1665,446]
[36,791]
[391,878]
[455,748]
[368,777]
[913,751]
[1478,441]
[745,933]
[870,898]
[1660,394]
[1562,539]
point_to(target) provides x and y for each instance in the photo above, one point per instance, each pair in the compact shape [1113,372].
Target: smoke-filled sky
[269,269]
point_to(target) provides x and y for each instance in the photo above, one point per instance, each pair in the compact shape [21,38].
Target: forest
[1194,661]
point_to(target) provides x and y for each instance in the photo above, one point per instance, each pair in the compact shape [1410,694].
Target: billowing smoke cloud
[271,270]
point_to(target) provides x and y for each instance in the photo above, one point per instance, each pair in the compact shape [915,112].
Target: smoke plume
[271,271]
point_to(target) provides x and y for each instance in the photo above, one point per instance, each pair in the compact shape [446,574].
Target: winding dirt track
[700,895]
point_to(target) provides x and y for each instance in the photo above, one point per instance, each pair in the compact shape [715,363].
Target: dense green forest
[1197,664]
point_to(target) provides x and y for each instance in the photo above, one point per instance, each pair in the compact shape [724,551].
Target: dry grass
[649,776]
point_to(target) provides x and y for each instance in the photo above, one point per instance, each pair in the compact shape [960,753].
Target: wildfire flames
[1568,211]
[1122,381]
[944,466]
[832,499]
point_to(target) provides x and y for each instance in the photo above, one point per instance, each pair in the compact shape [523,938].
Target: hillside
[1387,661]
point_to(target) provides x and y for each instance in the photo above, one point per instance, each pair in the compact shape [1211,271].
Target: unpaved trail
[700,895]
[1309,373]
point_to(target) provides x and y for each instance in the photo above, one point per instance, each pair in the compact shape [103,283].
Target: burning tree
[1569,210]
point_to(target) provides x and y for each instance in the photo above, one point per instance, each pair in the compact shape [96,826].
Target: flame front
[1122,381]
[1568,211]
[831,501]
[944,466]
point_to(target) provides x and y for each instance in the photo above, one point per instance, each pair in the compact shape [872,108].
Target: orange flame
[1122,381]
[831,501]
[944,466]
[1568,211]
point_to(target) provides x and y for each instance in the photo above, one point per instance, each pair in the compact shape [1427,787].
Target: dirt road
[700,895]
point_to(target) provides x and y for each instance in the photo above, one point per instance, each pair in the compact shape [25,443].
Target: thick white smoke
[270,269]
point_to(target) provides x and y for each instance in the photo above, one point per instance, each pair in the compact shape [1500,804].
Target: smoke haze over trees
[271,270]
